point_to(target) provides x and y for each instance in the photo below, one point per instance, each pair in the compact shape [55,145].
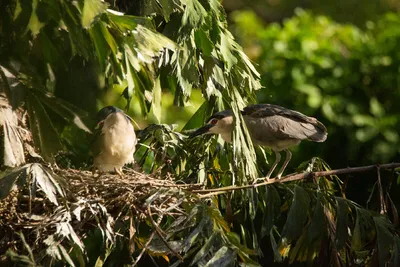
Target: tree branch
[160,234]
[295,177]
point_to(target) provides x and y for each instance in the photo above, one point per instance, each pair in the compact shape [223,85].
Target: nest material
[86,196]
[115,191]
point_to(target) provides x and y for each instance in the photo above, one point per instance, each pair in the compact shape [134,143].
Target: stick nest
[83,202]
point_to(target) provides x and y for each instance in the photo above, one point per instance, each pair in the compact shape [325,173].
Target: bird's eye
[214,121]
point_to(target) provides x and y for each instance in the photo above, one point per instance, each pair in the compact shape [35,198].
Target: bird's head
[220,123]
[107,111]
[104,112]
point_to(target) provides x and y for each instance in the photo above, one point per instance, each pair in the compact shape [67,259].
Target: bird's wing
[281,123]
[97,141]
[266,110]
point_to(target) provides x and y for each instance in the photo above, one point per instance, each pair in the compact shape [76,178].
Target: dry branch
[295,177]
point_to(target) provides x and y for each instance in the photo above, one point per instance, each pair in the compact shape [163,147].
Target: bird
[269,125]
[114,142]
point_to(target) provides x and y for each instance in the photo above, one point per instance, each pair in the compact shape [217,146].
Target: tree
[58,215]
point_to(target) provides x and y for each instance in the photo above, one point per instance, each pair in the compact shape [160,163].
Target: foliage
[341,11]
[162,214]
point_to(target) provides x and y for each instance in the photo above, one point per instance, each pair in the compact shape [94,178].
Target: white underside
[118,143]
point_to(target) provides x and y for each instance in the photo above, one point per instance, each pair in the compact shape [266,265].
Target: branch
[295,177]
[160,234]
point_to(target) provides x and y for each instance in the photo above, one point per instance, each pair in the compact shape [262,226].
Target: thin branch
[381,198]
[147,243]
[295,177]
[144,249]
[159,232]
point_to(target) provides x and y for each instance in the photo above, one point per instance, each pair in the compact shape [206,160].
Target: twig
[144,249]
[295,177]
[158,230]
[147,243]
[381,198]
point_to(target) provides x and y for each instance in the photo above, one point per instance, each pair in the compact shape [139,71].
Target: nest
[83,202]
[116,192]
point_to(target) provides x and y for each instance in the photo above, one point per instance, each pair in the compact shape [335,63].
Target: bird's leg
[271,170]
[285,163]
[96,171]
[277,159]
[119,171]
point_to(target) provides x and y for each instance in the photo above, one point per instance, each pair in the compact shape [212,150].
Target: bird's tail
[320,134]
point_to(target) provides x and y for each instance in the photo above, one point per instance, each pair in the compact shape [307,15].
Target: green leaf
[275,249]
[100,43]
[341,223]
[50,50]
[156,100]
[198,117]
[46,182]
[66,255]
[44,133]
[9,181]
[194,14]
[13,141]
[91,10]
[204,250]
[226,47]
[34,24]
[223,257]
[361,229]
[317,227]
[66,110]
[273,203]
[385,239]
[127,22]
[26,245]
[203,42]
[396,252]
[109,38]
[297,215]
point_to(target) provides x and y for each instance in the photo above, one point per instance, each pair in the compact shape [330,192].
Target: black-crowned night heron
[271,126]
[115,140]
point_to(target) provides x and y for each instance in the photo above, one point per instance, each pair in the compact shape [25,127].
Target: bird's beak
[203,130]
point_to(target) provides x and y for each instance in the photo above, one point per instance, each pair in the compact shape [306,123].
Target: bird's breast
[120,139]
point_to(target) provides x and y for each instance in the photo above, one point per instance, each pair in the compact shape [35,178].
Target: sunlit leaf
[223,257]
[13,141]
[34,24]
[46,182]
[226,47]
[91,10]
[156,101]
